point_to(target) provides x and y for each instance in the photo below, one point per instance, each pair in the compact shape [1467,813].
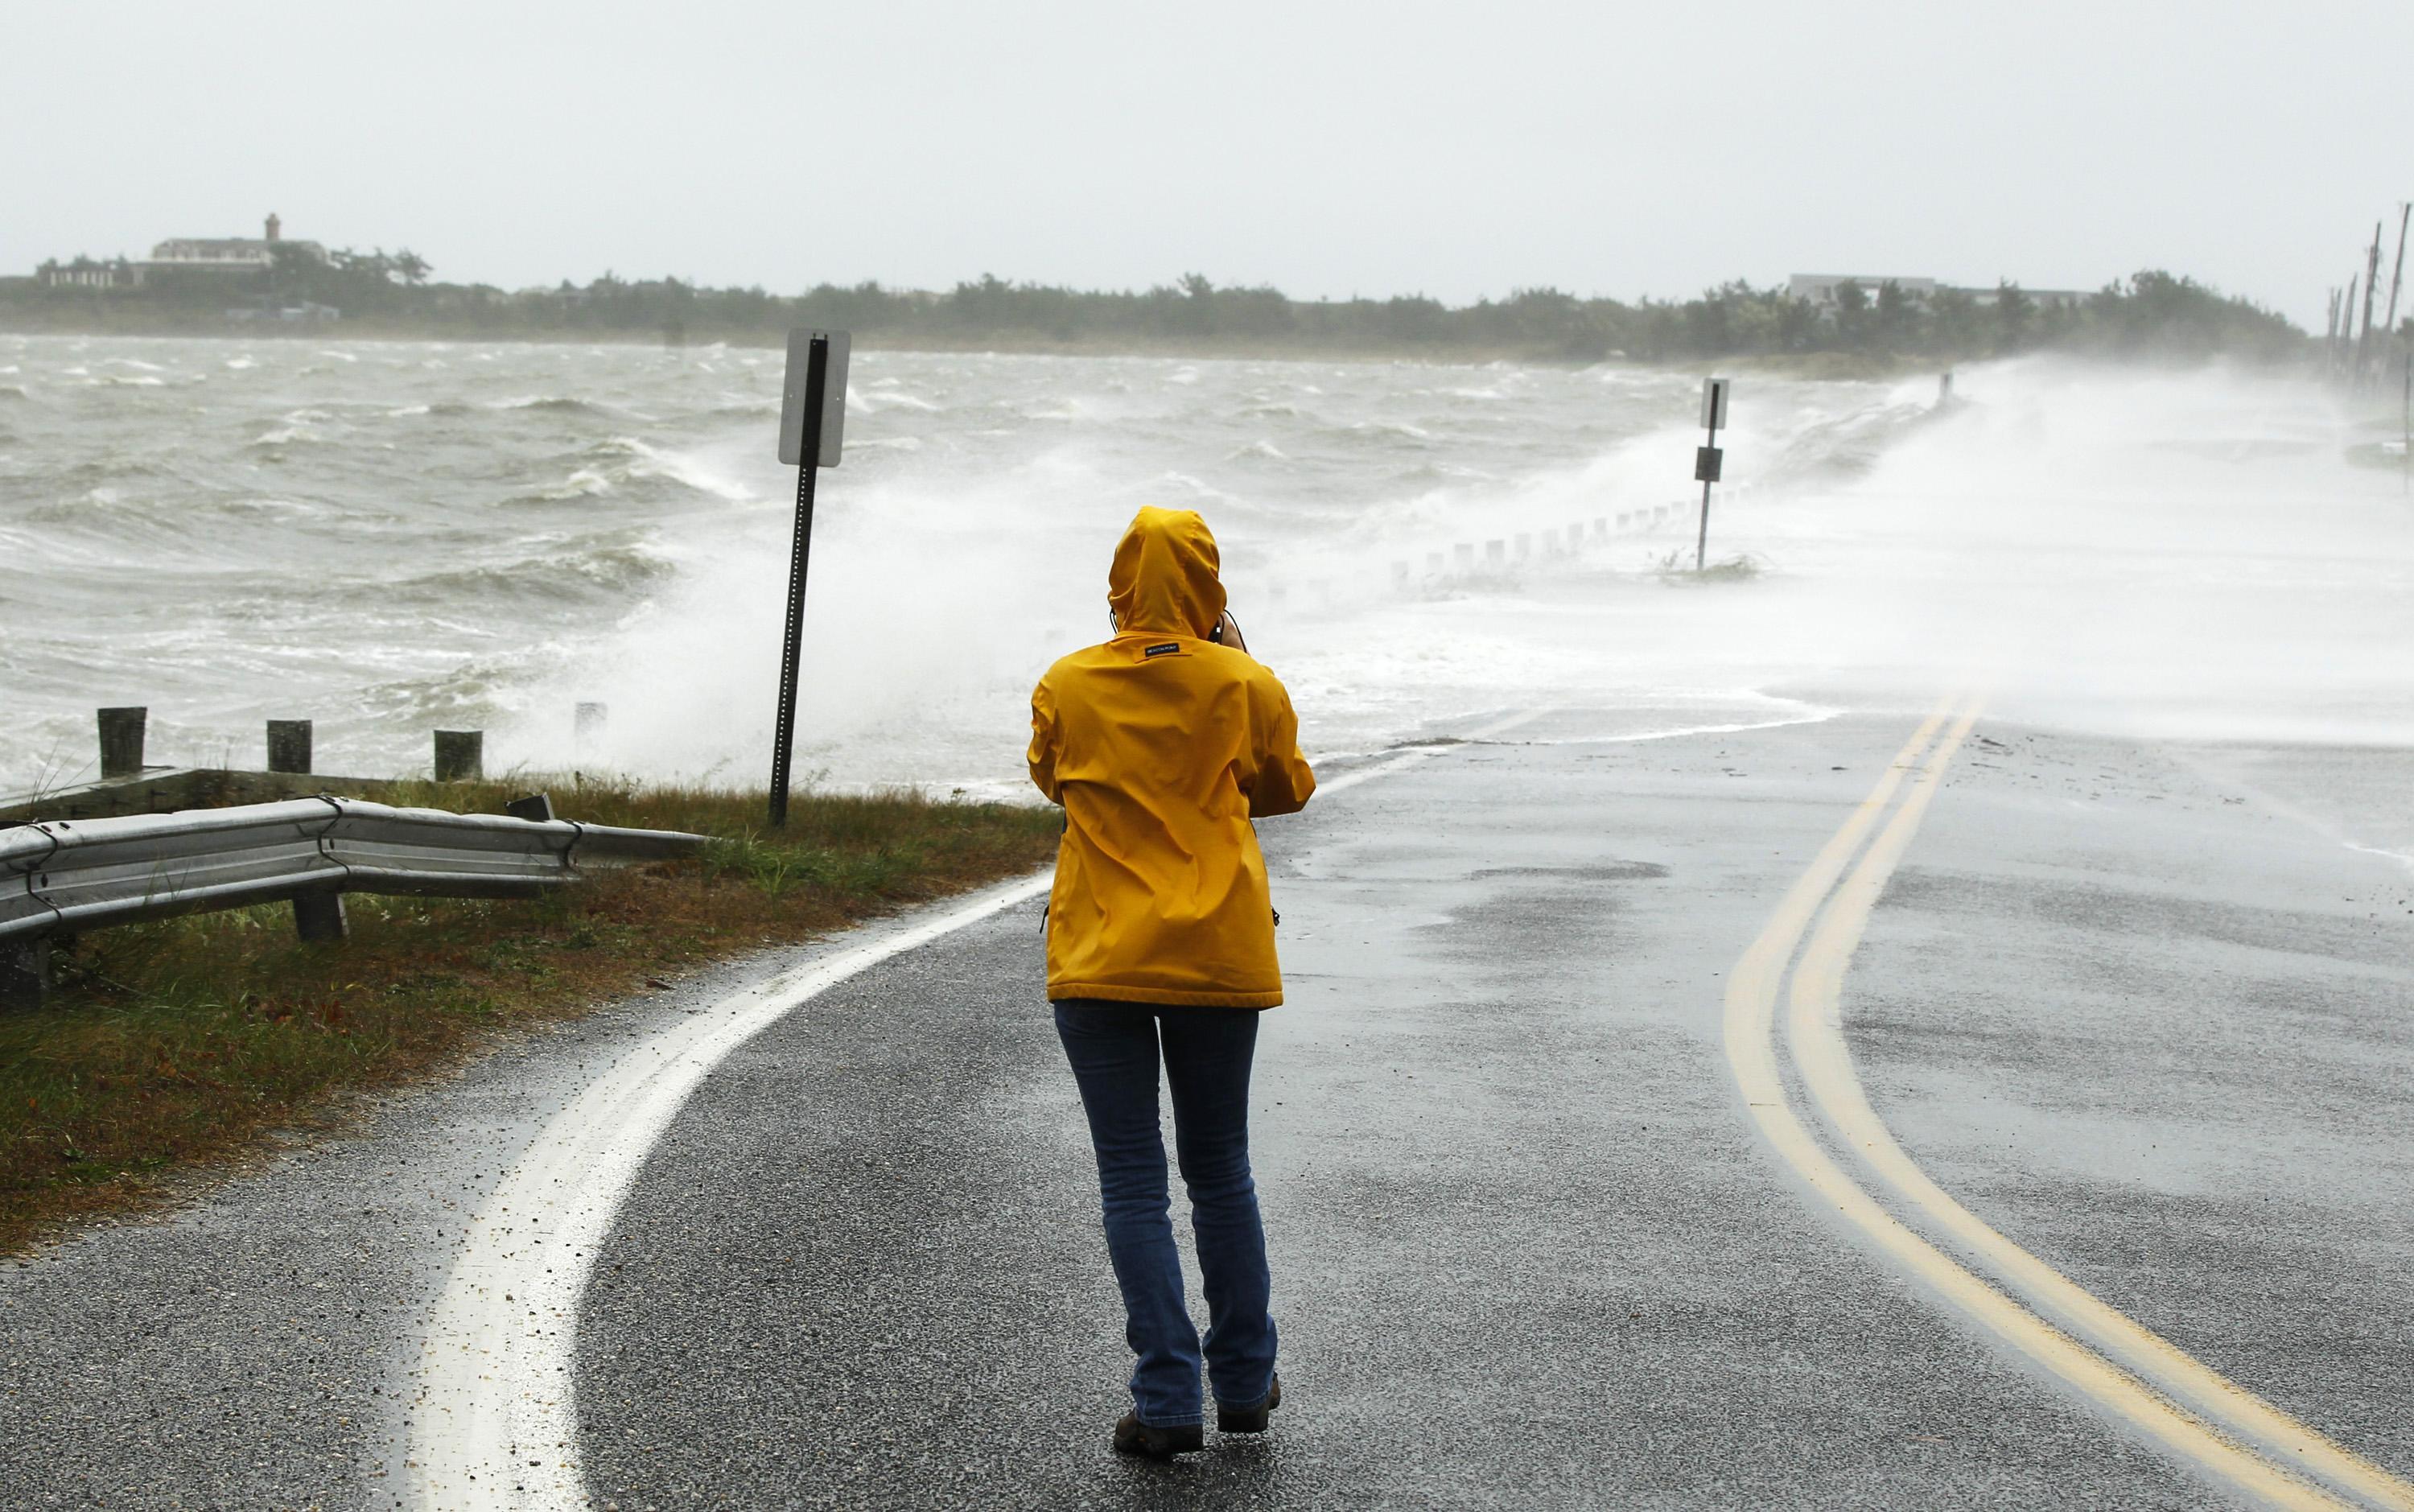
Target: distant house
[89,273]
[204,256]
[224,254]
[1820,289]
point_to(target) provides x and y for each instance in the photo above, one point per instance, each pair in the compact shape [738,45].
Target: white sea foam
[2146,553]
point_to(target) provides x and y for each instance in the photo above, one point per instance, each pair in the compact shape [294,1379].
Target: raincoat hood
[1164,580]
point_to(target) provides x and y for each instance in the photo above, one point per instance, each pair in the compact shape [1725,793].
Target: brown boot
[1251,1419]
[1132,1436]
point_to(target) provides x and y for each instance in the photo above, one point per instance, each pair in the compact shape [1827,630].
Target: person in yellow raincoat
[1163,744]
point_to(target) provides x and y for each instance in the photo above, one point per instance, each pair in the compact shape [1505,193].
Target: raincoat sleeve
[1282,780]
[1043,737]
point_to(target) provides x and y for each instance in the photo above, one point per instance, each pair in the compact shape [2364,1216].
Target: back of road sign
[1714,402]
[792,397]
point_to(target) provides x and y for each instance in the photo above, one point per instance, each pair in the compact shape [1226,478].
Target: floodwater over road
[389,537]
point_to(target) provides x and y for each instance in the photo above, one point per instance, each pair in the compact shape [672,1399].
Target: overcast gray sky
[1457,150]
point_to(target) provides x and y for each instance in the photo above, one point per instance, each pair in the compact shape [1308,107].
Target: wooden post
[121,741]
[289,745]
[24,973]
[460,754]
[587,725]
[319,917]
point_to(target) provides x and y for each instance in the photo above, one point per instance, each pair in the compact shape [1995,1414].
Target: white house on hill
[181,255]
[1820,290]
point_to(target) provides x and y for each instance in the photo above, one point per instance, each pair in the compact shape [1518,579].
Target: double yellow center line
[2192,1411]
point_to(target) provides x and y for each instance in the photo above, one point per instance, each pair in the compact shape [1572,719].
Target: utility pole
[2389,326]
[2371,287]
[2346,331]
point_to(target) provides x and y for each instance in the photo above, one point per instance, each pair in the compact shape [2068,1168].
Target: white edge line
[493,1423]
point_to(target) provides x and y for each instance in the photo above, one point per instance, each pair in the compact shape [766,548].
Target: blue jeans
[1113,1048]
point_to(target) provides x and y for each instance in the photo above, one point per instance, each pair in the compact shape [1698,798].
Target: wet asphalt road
[1526,1251]
[2152,1018]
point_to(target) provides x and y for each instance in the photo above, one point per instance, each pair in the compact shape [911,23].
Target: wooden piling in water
[121,741]
[289,745]
[460,754]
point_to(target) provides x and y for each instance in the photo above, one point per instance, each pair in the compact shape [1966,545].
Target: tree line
[2150,314]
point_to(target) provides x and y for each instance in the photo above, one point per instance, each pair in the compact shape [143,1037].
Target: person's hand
[1228,633]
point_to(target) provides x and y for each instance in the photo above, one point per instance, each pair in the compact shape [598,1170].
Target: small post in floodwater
[1707,460]
[812,414]
[121,741]
[289,745]
[460,754]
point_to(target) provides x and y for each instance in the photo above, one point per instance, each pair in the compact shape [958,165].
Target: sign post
[1706,459]
[813,415]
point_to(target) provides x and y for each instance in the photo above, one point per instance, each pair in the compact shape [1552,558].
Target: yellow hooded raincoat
[1162,746]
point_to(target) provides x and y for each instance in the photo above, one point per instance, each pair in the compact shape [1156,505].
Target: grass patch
[186,1041]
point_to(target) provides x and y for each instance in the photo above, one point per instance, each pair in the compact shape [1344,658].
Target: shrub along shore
[172,1045]
[2149,315]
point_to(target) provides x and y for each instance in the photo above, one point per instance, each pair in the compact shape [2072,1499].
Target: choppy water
[393,537]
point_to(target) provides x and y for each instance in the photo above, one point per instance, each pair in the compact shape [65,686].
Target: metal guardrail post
[121,741]
[289,745]
[24,972]
[319,917]
[460,754]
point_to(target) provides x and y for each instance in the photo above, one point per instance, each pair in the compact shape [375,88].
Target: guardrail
[70,876]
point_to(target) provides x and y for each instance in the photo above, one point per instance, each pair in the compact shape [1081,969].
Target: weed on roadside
[186,1040]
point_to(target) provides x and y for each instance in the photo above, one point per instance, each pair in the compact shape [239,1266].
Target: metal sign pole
[1708,461]
[1702,541]
[801,553]
[813,415]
